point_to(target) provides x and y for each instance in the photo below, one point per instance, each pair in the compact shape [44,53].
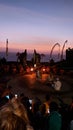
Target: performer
[57,84]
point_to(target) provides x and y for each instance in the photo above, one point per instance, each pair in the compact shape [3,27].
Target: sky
[36,24]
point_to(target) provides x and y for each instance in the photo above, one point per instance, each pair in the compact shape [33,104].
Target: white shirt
[57,85]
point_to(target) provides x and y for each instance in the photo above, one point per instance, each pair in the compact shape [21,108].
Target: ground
[33,87]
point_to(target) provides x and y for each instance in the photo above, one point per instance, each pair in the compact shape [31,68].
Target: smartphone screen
[15,95]
[30,101]
[48,111]
[7,96]
[30,108]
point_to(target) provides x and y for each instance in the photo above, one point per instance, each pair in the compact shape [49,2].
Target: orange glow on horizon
[42,46]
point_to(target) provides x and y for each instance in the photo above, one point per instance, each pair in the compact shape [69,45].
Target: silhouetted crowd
[22,113]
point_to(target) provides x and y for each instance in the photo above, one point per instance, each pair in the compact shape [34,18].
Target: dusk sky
[36,24]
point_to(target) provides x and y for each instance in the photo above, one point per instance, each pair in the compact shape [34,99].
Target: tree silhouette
[22,58]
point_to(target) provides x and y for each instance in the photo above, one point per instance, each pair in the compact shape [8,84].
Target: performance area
[29,91]
[33,86]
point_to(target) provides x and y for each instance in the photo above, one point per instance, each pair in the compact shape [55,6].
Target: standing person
[50,79]
[54,118]
[38,74]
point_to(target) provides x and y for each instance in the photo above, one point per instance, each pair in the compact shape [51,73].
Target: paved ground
[32,87]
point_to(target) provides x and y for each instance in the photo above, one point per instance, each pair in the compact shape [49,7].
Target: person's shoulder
[29,127]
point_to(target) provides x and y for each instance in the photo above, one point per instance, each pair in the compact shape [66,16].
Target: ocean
[12,57]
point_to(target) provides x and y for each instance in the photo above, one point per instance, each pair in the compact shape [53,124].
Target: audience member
[47,102]
[57,84]
[16,107]
[10,121]
[54,118]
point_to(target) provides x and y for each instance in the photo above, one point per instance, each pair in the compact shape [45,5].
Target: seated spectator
[71,125]
[47,102]
[55,119]
[10,121]
[35,113]
[17,108]
[43,117]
